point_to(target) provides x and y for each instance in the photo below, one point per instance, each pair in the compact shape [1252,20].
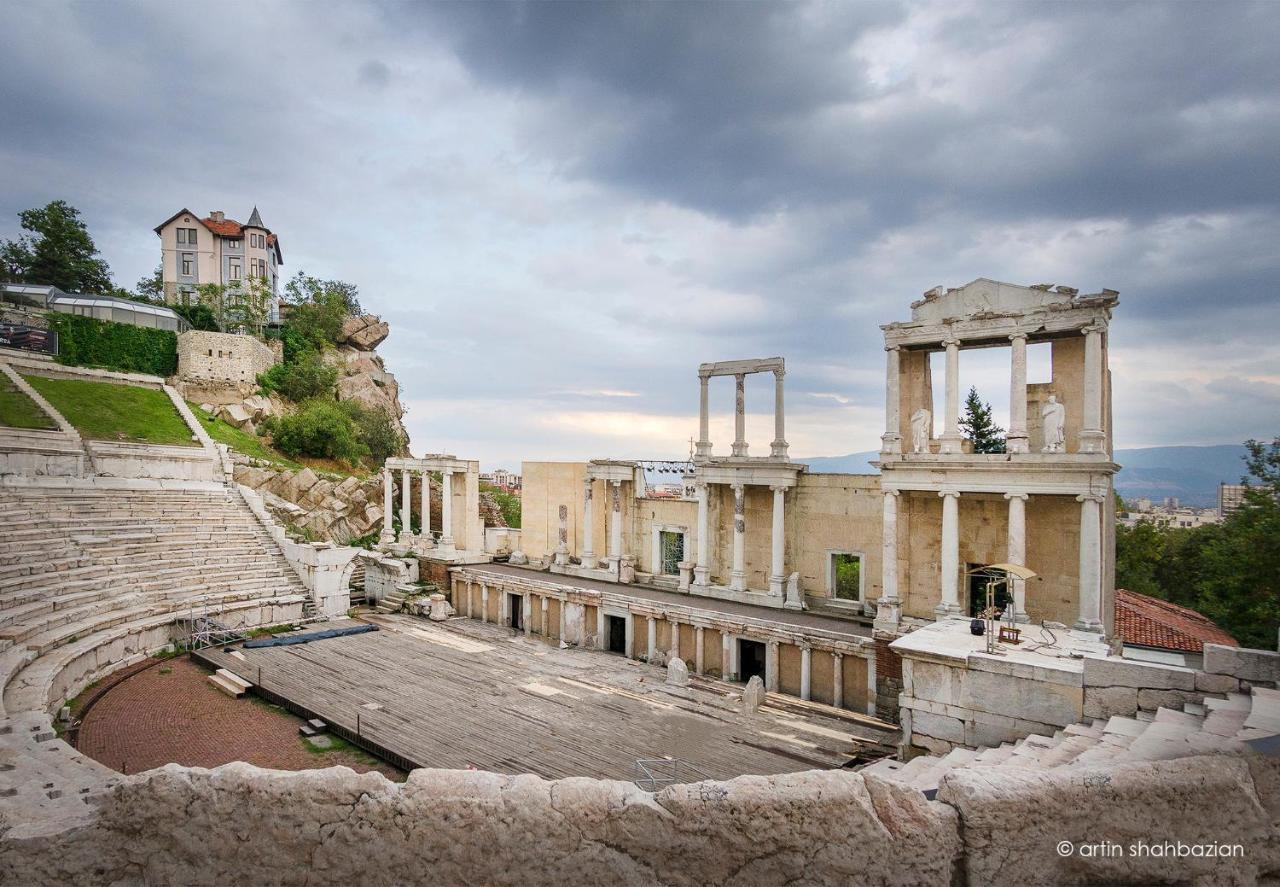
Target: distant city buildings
[1170,513]
[503,479]
[216,250]
[1230,497]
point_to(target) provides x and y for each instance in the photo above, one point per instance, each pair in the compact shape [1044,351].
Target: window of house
[188,264]
[235,271]
[844,576]
[233,244]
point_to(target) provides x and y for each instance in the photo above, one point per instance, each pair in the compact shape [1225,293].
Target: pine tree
[979,427]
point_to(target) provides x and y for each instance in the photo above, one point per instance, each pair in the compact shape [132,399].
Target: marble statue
[1054,416]
[921,422]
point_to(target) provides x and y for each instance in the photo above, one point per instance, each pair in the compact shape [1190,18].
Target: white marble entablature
[987,312]
[762,472]
[613,470]
[434,462]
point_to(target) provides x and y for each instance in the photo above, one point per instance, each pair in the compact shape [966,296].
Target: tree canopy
[1230,571]
[57,250]
[979,427]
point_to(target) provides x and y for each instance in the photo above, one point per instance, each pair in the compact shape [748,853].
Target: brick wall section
[222,357]
[888,678]
[435,573]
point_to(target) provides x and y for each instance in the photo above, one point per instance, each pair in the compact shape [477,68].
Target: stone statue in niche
[921,426]
[1054,420]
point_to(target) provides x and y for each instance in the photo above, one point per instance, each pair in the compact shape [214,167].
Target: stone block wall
[222,358]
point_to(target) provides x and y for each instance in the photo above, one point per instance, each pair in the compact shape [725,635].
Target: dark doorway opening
[750,660]
[515,603]
[978,592]
[617,629]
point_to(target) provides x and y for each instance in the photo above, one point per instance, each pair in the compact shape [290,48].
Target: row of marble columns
[738,571]
[1092,435]
[1090,556]
[777,449]
[446,505]
[614,551]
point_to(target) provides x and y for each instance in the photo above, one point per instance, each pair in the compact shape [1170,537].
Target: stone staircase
[1219,725]
[392,602]
[93,579]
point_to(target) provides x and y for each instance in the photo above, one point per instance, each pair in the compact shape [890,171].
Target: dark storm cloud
[563,207]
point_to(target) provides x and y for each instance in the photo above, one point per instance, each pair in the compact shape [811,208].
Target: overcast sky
[563,208]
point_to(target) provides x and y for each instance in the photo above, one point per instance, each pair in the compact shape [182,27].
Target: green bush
[86,341]
[308,378]
[201,317]
[321,429]
[379,434]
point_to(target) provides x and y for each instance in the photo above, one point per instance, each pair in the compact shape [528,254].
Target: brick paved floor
[172,714]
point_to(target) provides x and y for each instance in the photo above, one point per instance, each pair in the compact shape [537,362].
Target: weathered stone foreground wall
[241,824]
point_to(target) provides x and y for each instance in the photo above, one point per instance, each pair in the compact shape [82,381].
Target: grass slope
[120,413]
[240,440]
[19,411]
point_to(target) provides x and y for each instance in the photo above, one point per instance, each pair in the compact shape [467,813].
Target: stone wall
[222,358]
[242,824]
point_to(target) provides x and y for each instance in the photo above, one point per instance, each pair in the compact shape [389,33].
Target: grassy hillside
[241,441]
[121,413]
[19,411]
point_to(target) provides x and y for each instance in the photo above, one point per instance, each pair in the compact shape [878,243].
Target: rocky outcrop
[364,333]
[323,509]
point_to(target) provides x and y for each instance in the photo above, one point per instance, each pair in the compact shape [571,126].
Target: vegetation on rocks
[1230,572]
[508,503]
[307,377]
[122,413]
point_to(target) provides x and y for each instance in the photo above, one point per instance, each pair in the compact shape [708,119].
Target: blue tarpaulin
[287,639]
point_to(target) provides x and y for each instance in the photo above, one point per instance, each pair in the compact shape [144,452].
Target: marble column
[726,656]
[1090,563]
[563,619]
[406,511]
[446,511]
[630,642]
[426,505]
[771,666]
[778,449]
[951,436]
[699,650]
[388,529]
[470,615]
[702,568]
[526,613]
[950,555]
[652,652]
[674,627]
[738,577]
[889,607]
[1092,437]
[484,602]
[602,639]
[615,523]
[1017,553]
[1016,441]
[837,680]
[703,450]
[871,686]
[891,440]
[740,416]
[777,577]
[806,672]
[588,555]
[546,619]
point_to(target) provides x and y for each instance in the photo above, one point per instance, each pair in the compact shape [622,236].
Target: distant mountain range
[1192,474]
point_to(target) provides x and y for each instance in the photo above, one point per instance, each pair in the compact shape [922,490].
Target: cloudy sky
[563,208]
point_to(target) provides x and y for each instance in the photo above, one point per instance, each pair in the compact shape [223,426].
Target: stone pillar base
[701,576]
[778,449]
[777,586]
[686,574]
[1092,625]
[945,610]
[738,581]
[891,443]
[1017,444]
[561,558]
[949,444]
[1092,441]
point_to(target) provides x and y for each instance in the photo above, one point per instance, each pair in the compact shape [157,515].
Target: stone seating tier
[91,580]
[1217,726]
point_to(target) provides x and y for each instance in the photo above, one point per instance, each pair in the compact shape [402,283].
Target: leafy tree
[57,251]
[317,308]
[301,380]
[151,287]
[979,427]
[200,316]
[508,503]
[1139,552]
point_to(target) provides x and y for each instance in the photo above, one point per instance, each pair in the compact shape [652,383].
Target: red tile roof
[228,228]
[1149,622]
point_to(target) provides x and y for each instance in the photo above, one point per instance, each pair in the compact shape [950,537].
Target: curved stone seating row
[95,579]
[1219,725]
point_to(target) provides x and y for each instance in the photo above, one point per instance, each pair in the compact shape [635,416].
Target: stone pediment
[985,297]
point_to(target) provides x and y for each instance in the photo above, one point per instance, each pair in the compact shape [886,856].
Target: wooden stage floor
[468,694]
